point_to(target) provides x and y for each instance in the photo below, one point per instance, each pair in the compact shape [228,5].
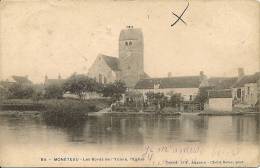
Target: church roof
[112,62]
[130,33]
[248,79]
[169,82]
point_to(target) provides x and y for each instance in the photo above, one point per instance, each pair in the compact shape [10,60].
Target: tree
[157,99]
[20,91]
[176,100]
[202,97]
[114,90]
[80,85]
[53,91]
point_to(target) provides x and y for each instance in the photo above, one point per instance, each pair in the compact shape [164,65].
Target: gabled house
[105,69]
[22,80]
[219,100]
[245,90]
[187,86]
[58,81]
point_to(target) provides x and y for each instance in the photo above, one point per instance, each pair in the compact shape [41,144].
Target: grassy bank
[57,104]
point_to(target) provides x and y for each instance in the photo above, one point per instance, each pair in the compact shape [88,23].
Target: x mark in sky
[179,17]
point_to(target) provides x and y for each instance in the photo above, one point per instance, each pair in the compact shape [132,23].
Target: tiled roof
[220,94]
[21,79]
[248,79]
[172,82]
[54,81]
[112,62]
[222,82]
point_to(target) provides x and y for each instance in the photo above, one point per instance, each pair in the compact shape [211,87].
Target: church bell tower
[131,59]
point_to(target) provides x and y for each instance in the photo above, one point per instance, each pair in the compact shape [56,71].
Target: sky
[54,37]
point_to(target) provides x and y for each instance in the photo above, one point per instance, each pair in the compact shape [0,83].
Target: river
[21,134]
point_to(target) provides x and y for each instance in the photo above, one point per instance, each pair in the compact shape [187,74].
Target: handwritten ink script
[179,18]
[191,155]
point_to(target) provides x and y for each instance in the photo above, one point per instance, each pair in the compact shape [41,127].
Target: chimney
[203,80]
[46,78]
[241,73]
[169,74]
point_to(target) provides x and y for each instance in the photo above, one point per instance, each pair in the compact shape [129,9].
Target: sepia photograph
[129,83]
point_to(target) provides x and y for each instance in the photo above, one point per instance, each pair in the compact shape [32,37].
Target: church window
[126,43]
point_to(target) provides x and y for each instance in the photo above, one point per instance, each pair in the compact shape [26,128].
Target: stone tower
[131,55]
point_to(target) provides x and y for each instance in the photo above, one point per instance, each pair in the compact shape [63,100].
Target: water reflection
[105,130]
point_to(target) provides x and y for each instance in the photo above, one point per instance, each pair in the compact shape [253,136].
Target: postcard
[129,83]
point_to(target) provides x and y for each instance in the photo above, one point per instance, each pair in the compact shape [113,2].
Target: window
[238,93]
[190,97]
[105,80]
[126,43]
[129,67]
[130,43]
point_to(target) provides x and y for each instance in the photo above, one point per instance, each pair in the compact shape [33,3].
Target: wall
[220,104]
[131,56]
[248,94]
[185,92]
[100,67]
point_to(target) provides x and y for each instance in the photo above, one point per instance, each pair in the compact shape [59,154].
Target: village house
[187,87]
[219,100]
[48,81]
[21,80]
[245,90]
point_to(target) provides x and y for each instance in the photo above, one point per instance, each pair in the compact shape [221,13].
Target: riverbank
[28,105]
[134,114]
[226,113]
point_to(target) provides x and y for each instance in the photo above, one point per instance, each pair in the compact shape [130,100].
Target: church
[128,67]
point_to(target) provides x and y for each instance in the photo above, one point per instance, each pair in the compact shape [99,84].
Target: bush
[53,91]
[114,90]
[19,91]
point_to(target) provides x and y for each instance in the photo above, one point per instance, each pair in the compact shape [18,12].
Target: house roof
[54,81]
[112,62]
[220,93]
[22,79]
[172,82]
[222,82]
[248,79]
